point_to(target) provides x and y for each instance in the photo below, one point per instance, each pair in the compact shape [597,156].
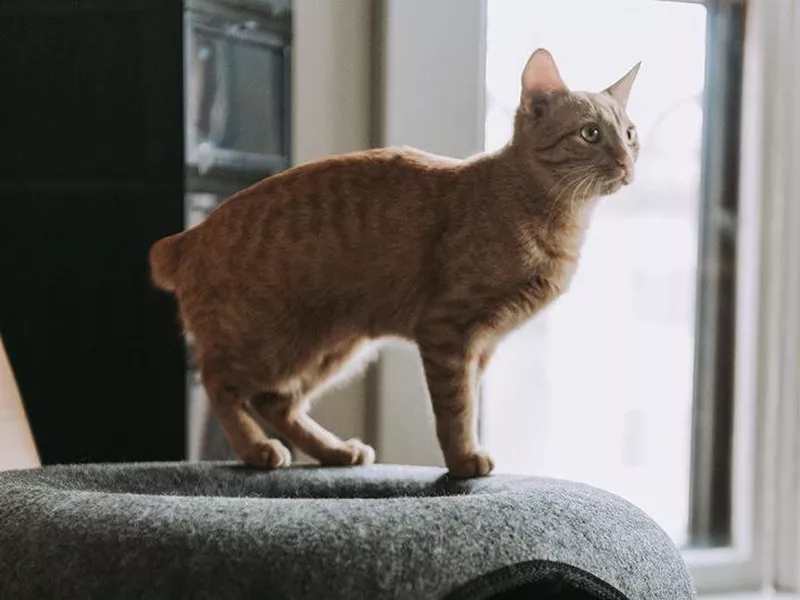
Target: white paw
[270,454]
[472,464]
[351,452]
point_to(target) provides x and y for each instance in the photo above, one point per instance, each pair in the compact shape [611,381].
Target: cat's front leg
[484,357]
[451,370]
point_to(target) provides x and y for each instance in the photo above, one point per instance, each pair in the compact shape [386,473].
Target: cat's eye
[632,134]
[590,133]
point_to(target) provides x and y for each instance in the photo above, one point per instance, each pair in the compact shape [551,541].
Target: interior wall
[331,115]
[431,97]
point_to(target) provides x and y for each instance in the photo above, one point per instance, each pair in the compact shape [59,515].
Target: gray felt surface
[217,530]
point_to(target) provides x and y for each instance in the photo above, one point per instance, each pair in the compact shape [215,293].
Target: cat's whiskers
[571,177]
[556,203]
[587,190]
[575,176]
[574,198]
[584,191]
[592,189]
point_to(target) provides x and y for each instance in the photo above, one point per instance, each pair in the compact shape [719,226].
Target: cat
[287,280]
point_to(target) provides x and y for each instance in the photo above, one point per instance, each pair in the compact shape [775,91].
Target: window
[613,384]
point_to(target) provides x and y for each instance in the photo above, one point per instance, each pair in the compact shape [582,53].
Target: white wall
[331,115]
[433,67]
[331,78]
[432,71]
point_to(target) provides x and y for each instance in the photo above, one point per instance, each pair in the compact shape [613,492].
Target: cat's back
[370,169]
[335,185]
[351,197]
[373,211]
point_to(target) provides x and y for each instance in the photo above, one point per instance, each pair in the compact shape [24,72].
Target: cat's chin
[609,187]
[616,184]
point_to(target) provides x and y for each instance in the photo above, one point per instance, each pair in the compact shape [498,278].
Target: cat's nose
[626,166]
[625,163]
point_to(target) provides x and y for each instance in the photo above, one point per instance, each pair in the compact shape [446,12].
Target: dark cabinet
[96,351]
[91,173]
[92,92]
[93,169]
[102,151]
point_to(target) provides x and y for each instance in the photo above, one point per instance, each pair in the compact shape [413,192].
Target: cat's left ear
[541,76]
[540,79]
[621,90]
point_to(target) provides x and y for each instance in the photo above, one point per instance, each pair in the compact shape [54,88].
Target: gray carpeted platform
[216,530]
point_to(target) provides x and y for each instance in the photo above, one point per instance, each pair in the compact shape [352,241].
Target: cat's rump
[165,258]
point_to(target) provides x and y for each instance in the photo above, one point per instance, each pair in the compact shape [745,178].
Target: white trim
[765,523]
[433,71]
[779,323]
[787,547]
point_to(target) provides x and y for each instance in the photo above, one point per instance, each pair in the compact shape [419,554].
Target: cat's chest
[553,251]
[545,271]
[523,301]
[552,261]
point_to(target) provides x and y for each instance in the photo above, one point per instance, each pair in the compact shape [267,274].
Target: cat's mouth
[620,178]
[614,184]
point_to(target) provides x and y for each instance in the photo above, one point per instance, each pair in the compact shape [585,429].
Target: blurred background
[665,375]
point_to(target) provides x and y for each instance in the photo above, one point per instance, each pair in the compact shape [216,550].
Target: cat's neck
[538,195]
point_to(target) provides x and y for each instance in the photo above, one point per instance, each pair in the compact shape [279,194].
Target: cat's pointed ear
[621,90]
[541,75]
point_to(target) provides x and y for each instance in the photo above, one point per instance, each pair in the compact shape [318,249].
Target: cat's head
[582,141]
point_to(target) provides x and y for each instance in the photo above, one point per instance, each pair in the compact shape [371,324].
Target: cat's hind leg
[289,416]
[243,433]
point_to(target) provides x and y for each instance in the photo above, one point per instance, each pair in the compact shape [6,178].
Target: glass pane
[599,387]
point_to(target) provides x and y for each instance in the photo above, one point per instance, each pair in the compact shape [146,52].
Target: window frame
[766,455]
[763,553]
[717,296]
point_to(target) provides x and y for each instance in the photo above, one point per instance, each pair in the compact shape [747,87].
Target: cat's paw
[351,452]
[473,464]
[269,454]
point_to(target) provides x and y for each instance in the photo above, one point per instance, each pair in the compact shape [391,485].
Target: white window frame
[763,554]
[432,67]
[778,25]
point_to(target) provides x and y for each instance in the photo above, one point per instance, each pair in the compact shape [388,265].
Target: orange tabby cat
[286,281]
